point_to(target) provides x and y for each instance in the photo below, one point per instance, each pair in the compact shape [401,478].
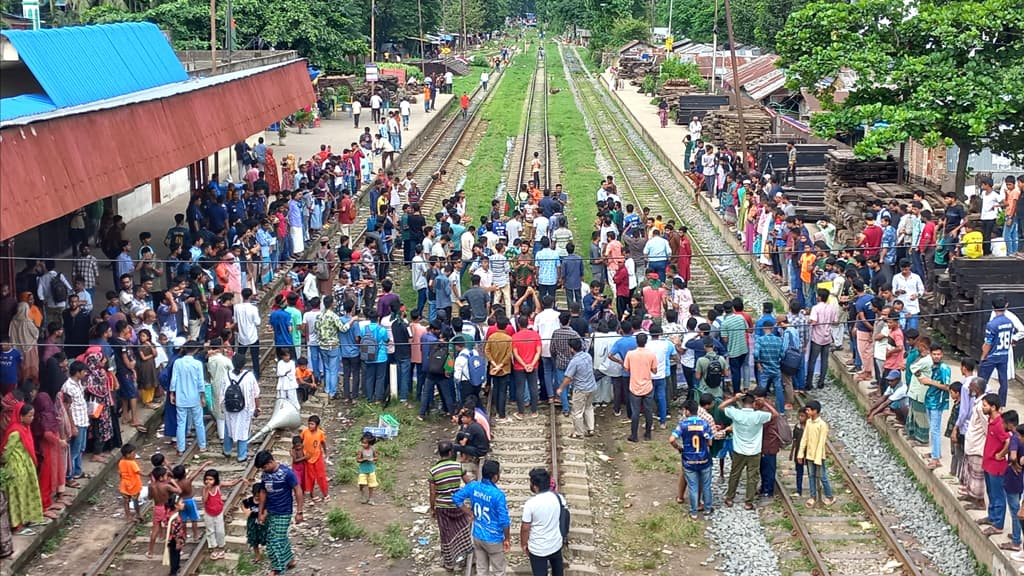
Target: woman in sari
[24,334]
[751,212]
[104,428]
[446,477]
[271,173]
[288,171]
[18,455]
[764,227]
[46,434]
[34,312]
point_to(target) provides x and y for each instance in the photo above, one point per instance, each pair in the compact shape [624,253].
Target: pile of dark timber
[722,126]
[698,105]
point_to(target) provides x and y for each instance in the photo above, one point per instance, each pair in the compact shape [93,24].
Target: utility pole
[229,33]
[423,55]
[736,83]
[213,37]
[670,20]
[714,49]
[462,9]
[373,30]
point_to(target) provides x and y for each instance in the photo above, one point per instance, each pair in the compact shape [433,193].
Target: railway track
[851,536]
[535,137]
[125,551]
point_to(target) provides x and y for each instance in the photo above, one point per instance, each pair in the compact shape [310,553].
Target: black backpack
[438,359]
[713,378]
[564,518]
[234,399]
[58,289]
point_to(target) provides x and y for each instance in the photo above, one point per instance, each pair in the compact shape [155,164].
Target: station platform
[939,483]
[337,133]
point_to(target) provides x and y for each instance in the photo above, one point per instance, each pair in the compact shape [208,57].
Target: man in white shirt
[375,103]
[44,291]
[991,200]
[247,324]
[449,80]
[709,166]
[540,228]
[540,533]
[312,338]
[514,228]
[357,109]
[908,288]
[695,129]
[484,77]
[405,109]
[545,323]
[419,278]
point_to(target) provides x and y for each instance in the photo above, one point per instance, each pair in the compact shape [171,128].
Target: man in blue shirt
[548,263]
[767,315]
[692,438]
[350,369]
[995,352]
[283,496]
[375,383]
[572,275]
[486,503]
[620,384]
[281,322]
[887,252]
[187,383]
[10,365]
[657,252]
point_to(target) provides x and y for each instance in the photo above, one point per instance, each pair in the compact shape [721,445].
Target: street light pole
[373,30]
[670,19]
[423,55]
[213,37]
[736,83]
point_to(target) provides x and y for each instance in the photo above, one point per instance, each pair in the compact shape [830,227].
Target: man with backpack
[711,371]
[240,404]
[374,356]
[470,368]
[52,289]
[435,355]
[545,525]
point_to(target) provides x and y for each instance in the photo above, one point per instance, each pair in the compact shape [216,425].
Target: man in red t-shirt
[994,463]
[346,212]
[464,102]
[870,239]
[526,346]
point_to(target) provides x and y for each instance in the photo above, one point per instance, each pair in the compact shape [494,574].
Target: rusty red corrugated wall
[50,168]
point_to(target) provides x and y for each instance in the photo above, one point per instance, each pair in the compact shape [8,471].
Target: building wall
[928,165]
[140,200]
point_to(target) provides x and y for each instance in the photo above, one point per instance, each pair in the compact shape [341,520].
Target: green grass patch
[655,459]
[576,157]
[341,525]
[389,452]
[52,544]
[392,541]
[643,538]
[246,565]
[469,82]
[504,114]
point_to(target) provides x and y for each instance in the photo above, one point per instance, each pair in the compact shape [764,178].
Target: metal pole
[670,20]
[373,30]
[423,55]
[213,37]
[462,10]
[714,50]
[229,35]
[736,82]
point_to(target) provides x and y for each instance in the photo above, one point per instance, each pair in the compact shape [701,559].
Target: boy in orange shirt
[314,446]
[131,481]
[305,378]
[807,260]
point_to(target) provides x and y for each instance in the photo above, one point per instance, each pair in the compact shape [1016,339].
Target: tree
[937,71]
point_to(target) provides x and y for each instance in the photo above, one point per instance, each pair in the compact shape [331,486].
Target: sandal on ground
[748,506]
[1009,546]
[680,501]
[83,476]
[141,429]
[52,515]
[72,484]
[991,531]
[26,531]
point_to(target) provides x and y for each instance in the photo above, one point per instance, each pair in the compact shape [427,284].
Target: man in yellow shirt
[972,242]
[812,452]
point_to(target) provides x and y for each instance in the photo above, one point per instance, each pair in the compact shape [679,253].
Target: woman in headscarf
[18,455]
[33,310]
[104,428]
[46,434]
[288,168]
[25,337]
[270,174]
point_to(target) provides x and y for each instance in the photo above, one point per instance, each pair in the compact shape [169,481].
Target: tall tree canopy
[937,71]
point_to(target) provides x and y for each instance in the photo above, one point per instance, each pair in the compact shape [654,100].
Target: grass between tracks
[504,115]
[389,452]
[641,541]
[580,176]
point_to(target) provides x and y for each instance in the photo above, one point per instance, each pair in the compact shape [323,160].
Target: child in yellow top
[972,242]
[812,452]
[131,481]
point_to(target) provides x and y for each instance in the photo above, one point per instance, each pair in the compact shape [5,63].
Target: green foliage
[398,20]
[937,71]
[393,541]
[410,71]
[340,525]
[674,69]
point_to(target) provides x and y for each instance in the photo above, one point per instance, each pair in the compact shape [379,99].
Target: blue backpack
[477,368]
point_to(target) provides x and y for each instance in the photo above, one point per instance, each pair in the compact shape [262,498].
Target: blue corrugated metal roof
[81,64]
[25,105]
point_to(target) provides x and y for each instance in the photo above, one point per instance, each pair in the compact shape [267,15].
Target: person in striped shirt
[446,477]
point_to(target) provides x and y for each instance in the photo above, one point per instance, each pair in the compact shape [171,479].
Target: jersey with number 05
[999,335]
[490,509]
[694,435]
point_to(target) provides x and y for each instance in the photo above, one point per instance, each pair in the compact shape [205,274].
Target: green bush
[340,525]
[393,541]
[674,68]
